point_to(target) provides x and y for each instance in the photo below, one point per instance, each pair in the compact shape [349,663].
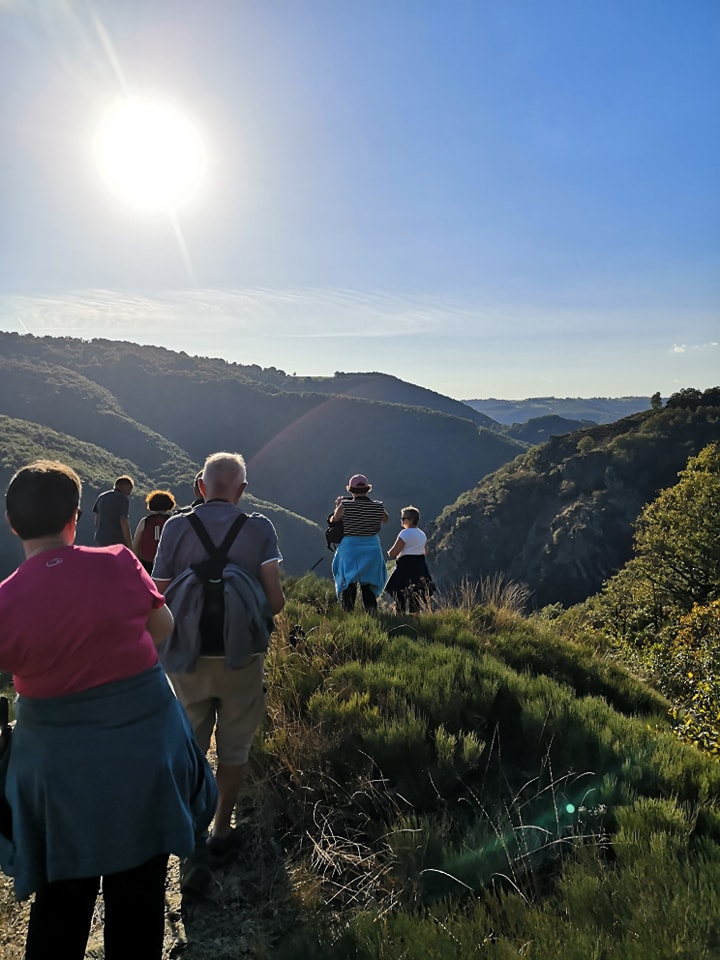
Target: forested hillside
[560,517]
[166,411]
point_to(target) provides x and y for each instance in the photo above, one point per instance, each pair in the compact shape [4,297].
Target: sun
[150,154]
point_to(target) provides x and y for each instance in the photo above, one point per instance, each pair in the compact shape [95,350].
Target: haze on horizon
[509,200]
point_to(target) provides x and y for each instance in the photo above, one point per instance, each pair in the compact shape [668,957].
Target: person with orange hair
[160,504]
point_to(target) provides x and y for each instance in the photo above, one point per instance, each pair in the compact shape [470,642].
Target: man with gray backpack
[219,571]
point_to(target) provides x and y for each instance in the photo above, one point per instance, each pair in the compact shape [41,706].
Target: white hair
[222,472]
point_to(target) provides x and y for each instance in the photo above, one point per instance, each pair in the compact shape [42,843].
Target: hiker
[111,510]
[219,687]
[410,583]
[359,557]
[160,503]
[197,495]
[104,779]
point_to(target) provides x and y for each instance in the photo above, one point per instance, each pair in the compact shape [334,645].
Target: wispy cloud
[335,314]
[685,348]
[262,312]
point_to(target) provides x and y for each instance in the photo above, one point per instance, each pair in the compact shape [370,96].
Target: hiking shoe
[222,850]
[195,873]
[195,878]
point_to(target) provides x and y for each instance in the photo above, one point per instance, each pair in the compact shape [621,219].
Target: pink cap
[359,482]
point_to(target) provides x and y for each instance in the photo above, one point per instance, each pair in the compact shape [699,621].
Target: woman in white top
[410,583]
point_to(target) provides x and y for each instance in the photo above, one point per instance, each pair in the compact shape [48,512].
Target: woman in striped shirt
[359,557]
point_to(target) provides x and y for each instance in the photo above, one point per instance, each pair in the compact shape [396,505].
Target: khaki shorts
[232,702]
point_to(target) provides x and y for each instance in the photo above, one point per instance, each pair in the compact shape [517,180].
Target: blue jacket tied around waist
[102,781]
[359,560]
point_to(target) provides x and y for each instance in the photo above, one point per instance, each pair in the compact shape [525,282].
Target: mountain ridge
[595,409]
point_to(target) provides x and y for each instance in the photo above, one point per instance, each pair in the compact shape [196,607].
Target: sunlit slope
[465,785]
[73,404]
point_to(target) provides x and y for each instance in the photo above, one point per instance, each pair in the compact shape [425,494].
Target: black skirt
[410,571]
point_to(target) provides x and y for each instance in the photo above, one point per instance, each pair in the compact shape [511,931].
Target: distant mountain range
[593,409]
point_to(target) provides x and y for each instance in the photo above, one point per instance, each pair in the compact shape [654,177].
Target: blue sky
[490,199]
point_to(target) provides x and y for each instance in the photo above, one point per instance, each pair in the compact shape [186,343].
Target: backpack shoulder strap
[232,533]
[216,553]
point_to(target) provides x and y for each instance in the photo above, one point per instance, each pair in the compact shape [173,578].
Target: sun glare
[150,154]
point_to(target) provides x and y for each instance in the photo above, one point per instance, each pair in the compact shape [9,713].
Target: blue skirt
[359,560]
[102,781]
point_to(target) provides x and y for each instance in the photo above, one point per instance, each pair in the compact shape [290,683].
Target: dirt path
[239,917]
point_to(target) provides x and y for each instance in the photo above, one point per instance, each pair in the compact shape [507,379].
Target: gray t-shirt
[110,507]
[179,546]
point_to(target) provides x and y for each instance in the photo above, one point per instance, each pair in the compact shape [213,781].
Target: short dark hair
[160,500]
[42,498]
[124,481]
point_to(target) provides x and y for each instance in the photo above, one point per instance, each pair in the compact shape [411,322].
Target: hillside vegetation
[72,404]
[560,517]
[464,783]
[661,611]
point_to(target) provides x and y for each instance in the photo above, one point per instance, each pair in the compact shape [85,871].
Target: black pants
[347,597]
[407,600]
[412,598]
[61,915]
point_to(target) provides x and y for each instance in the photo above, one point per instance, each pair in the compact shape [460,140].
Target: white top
[414,541]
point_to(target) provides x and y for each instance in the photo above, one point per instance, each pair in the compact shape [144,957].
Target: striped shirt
[362,517]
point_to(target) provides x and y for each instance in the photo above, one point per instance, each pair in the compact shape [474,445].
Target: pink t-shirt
[74,617]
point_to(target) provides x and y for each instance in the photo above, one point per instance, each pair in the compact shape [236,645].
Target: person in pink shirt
[104,779]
